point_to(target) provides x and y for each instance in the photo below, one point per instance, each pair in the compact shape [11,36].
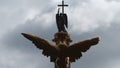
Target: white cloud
[15,12]
[84,15]
[94,14]
[31,14]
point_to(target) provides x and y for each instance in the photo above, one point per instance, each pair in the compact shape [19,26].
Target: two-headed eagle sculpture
[62,47]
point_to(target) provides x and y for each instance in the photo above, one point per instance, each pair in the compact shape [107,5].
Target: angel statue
[62,53]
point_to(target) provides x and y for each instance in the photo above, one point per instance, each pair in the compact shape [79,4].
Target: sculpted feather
[62,48]
[75,50]
[48,49]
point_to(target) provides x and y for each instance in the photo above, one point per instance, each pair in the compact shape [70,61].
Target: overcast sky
[87,19]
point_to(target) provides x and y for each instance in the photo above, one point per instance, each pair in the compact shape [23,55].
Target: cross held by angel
[61,19]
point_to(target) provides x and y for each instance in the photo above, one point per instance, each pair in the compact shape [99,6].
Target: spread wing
[48,49]
[75,51]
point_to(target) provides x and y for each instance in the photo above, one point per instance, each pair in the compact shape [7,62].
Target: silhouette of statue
[62,21]
[62,54]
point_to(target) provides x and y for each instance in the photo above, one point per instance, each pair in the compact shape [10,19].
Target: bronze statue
[62,53]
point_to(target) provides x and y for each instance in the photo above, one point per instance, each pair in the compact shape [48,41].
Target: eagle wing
[48,49]
[75,51]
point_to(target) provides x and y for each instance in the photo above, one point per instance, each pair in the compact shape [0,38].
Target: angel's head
[62,37]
